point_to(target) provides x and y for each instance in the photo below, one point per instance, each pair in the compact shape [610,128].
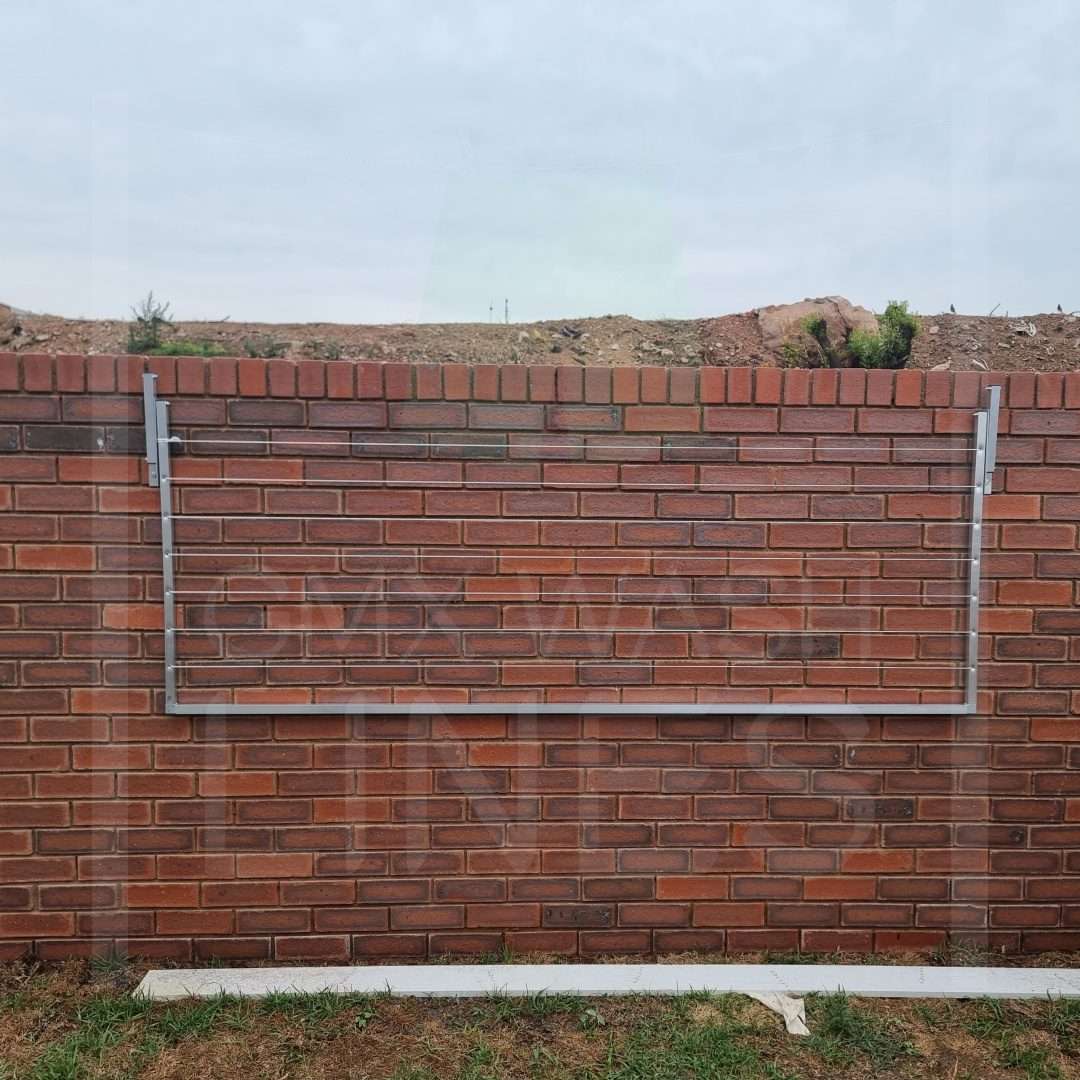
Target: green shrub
[817,328]
[890,346]
[325,350]
[151,317]
[185,347]
[263,345]
[810,347]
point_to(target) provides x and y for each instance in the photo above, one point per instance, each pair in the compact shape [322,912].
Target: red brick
[768,385]
[713,386]
[662,418]
[909,388]
[692,888]
[721,420]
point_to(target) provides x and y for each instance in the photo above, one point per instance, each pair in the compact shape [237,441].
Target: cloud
[417,160]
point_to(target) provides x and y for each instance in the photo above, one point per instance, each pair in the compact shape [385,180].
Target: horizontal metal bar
[624,553]
[567,518]
[564,440]
[274,597]
[554,661]
[630,708]
[538,485]
[536,630]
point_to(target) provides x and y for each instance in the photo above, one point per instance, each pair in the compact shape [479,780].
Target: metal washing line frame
[158,443]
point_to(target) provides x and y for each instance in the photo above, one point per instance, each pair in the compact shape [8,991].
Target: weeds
[662,1050]
[1018,1038]
[113,966]
[263,345]
[890,347]
[502,1008]
[325,350]
[591,1019]
[481,1064]
[841,1030]
[887,347]
[98,1031]
[100,1023]
[314,1009]
[187,347]
[146,333]
[151,318]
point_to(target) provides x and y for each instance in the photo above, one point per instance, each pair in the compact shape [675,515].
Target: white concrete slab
[590,980]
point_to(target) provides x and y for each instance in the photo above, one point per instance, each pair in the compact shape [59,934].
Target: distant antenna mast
[506,311]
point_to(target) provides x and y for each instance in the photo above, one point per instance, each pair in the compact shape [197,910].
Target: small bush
[326,350]
[817,328]
[151,317]
[263,345]
[890,347]
[811,347]
[185,347]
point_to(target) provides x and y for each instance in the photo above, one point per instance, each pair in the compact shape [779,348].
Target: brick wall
[331,837]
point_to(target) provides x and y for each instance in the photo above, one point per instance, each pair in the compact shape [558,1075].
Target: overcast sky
[365,161]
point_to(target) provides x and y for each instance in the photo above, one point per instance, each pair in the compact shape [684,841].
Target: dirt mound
[752,338]
[998,343]
[9,325]
[780,323]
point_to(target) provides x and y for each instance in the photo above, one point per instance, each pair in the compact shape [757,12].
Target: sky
[423,160]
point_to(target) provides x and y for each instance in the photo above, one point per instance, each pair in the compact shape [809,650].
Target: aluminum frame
[984,459]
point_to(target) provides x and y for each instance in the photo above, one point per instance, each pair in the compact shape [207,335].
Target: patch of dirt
[947,341]
[999,343]
[36,1009]
[223,1055]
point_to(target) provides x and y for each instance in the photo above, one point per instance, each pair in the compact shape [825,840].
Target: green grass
[1008,1029]
[100,1024]
[89,1028]
[670,1048]
[501,1008]
[841,1031]
[185,347]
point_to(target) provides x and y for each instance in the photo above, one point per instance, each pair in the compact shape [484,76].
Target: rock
[935,329]
[780,323]
[9,325]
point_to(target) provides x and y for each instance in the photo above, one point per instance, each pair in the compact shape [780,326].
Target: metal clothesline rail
[589,520]
[694,451]
[534,485]
[488,440]
[853,556]
[418,631]
[483,597]
[581,661]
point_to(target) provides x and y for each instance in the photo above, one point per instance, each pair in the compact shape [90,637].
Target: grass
[186,347]
[841,1031]
[78,1021]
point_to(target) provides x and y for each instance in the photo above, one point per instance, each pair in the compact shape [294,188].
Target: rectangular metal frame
[159,440]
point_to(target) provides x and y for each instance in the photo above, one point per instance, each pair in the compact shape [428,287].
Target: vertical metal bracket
[993,409]
[168,576]
[149,391]
[982,483]
[978,488]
